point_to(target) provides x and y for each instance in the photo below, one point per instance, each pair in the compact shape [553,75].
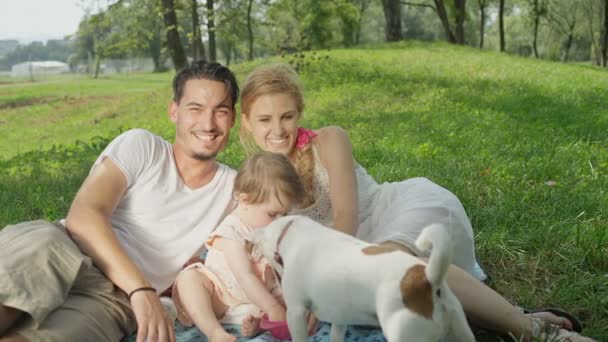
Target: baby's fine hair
[266,174]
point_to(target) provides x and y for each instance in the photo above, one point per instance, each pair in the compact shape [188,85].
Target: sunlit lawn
[523,143]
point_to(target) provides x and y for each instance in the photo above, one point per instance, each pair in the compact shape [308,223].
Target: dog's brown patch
[373,250]
[416,292]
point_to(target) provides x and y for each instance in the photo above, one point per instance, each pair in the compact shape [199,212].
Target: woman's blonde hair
[265,175]
[278,79]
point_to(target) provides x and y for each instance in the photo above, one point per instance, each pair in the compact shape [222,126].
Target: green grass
[523,143]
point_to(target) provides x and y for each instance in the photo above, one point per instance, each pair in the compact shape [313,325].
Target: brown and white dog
[345,281]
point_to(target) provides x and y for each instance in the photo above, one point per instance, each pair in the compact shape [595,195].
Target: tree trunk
[501,24]
[392,16]
[567,47]
[173,42]
[362,9]
[198,48]
[155,47]
[536,23]
[482,24]
[229,54]
[90,60]
[211,30]
[445,21]
[460,6]
[591,12]
[97,66]
[249,30]
[97,60]
[605,36]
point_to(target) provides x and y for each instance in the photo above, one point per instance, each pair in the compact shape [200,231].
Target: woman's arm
[336,154]
[240,265]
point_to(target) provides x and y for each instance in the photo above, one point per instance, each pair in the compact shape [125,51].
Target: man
[146,207]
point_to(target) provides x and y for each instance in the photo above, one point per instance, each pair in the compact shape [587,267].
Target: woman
[342,195]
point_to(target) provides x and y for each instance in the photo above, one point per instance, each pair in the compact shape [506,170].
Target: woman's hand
[152,322]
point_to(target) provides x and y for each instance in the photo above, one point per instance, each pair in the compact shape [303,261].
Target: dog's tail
[438,238]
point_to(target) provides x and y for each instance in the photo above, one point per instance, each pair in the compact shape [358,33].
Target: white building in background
[36,69]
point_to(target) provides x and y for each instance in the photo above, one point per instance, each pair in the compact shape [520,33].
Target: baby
[236,284]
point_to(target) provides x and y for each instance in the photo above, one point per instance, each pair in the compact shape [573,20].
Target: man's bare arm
[88,222]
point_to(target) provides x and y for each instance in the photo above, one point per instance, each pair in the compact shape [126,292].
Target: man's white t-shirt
[159,221]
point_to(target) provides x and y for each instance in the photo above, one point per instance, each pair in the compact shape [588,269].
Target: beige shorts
[43,273]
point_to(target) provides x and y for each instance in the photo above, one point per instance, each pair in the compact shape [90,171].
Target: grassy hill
[522,142]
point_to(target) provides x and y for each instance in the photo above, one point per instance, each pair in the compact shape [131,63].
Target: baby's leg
[196,296]
[250,325]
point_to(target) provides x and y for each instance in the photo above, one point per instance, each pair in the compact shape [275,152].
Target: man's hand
[152,321]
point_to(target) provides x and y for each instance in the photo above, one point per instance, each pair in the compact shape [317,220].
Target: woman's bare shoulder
[330,142]
[329,134]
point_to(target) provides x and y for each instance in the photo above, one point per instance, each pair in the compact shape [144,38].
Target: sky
[30,20]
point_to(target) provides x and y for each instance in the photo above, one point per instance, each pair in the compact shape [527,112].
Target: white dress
[398,211]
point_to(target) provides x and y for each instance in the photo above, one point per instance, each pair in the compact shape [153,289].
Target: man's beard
[204,156]
[207,156]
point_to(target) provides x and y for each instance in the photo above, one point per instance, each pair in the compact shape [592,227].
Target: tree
[173,41]
[562,17]
[501,24]
[349,17]
[152,31]
[483,4]
[538,10]
[97,32]
[392,16]
[143,21]
[231,29]
[198,47]
[605,36]
[249,30]
[456,35]
[461,13]
[363,5]
[445,20]
[211,29]
[593,17]
[318,22]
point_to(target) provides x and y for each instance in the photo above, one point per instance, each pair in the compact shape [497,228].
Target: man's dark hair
[212,71]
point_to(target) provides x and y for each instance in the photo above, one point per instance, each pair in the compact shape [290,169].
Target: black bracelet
[145,288]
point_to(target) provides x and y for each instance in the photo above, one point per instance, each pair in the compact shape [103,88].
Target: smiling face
[203,118]
[272,122]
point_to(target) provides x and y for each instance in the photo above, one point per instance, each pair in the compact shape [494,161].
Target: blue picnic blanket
[353,334]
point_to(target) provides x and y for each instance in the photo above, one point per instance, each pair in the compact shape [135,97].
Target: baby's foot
[250,326]
[220,335]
